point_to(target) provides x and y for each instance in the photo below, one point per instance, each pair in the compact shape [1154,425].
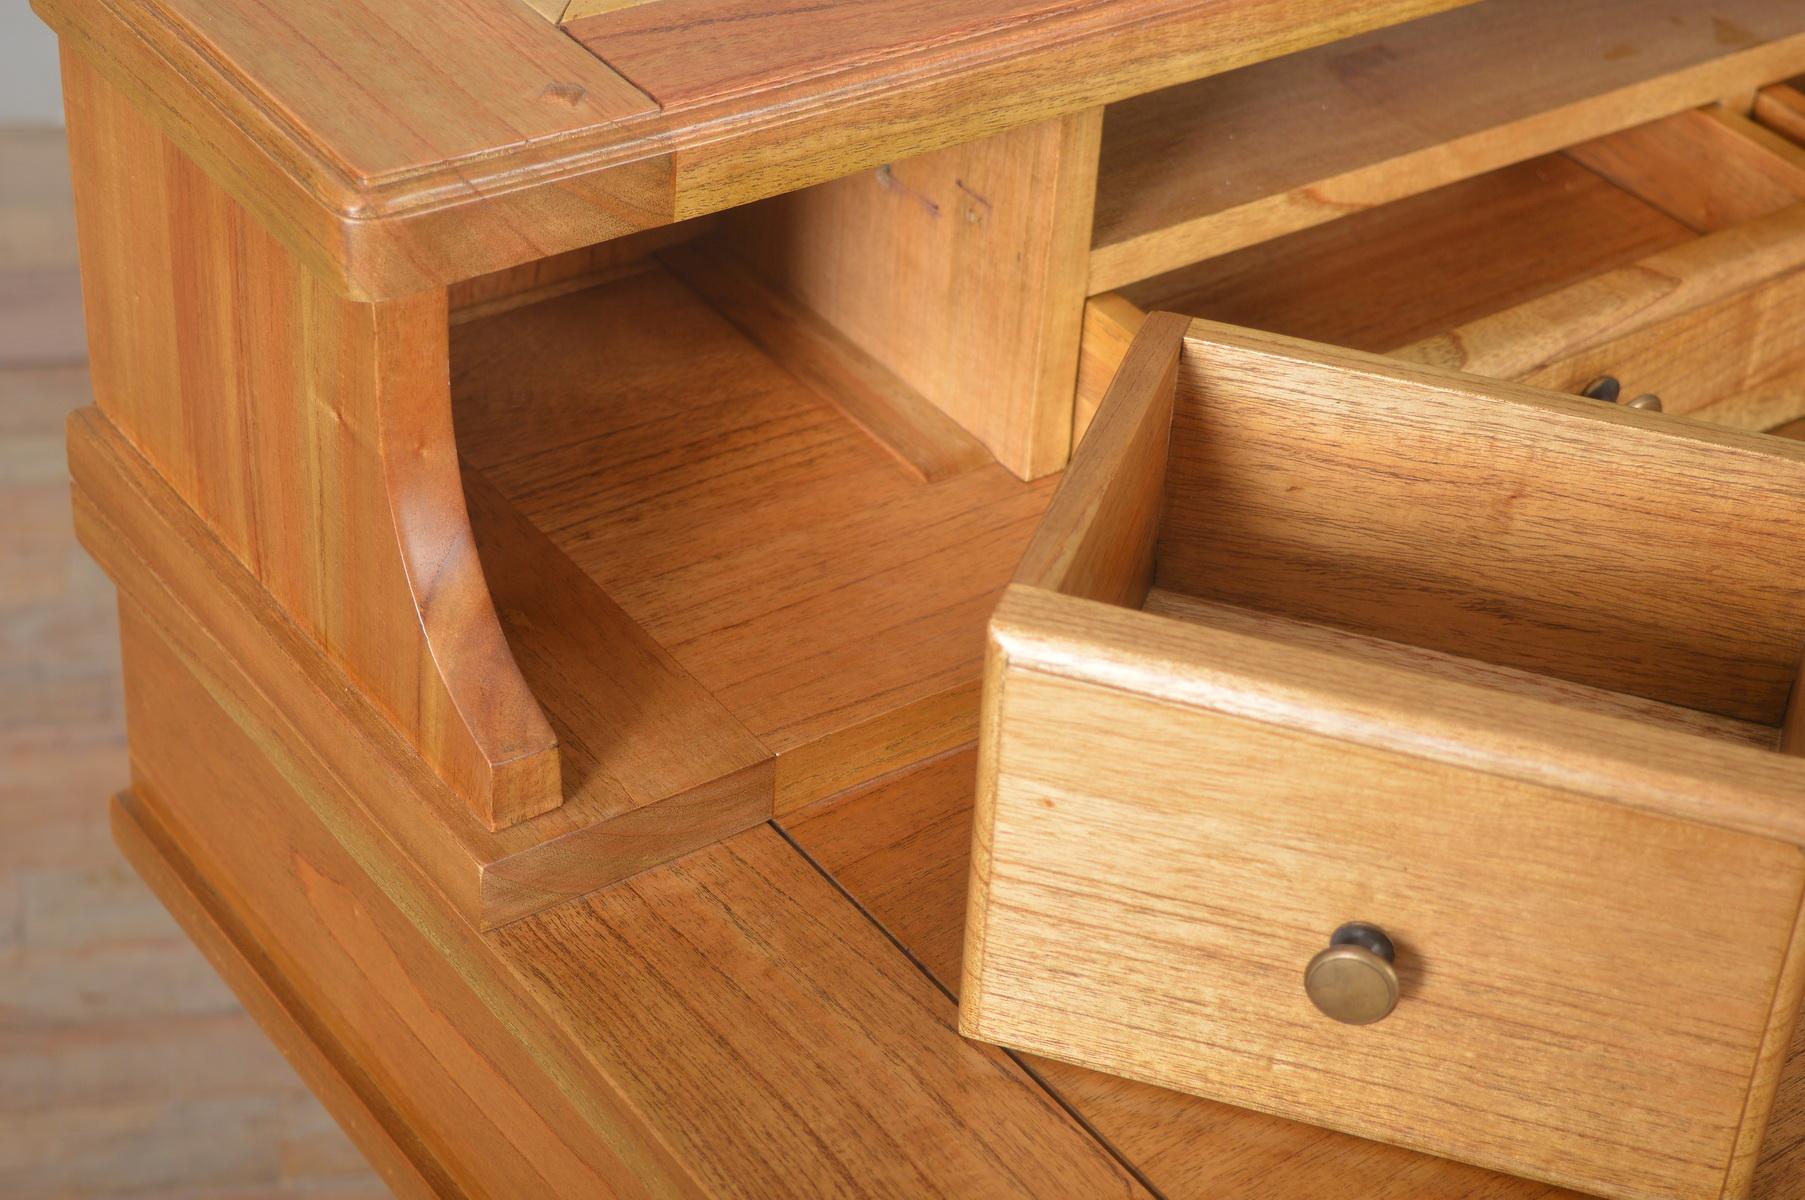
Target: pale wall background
[28,76]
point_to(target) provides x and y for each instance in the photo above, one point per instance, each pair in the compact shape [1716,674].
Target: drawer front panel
[1585,987]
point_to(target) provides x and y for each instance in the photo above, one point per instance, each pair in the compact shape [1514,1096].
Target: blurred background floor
[126,1068]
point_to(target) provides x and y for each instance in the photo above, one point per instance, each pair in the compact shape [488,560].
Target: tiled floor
[126,1067]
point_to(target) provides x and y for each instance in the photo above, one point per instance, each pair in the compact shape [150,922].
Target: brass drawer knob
[1353,980]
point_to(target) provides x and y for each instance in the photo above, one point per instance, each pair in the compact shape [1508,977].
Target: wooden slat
[1713,325]
[1490,520]
[1707,167]
[1097,538]
[1247,156]
[1384,277]
[1167,603]
[1781,107]
[832,600]
[1110,323]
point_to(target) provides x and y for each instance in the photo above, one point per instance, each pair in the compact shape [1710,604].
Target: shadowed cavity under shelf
[830,600]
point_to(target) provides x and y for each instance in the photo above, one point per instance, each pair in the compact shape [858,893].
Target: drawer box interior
[1310,636]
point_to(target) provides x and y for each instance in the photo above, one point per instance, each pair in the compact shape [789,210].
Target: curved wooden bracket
[477,720]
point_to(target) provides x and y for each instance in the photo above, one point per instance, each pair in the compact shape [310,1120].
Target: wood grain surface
[1110,323]
[384,146]
[1384,277]
[817,352]
[827,595]
[1246,156]
[728,1026]
[1387,276]
[1182,607]
[1488,519]
[663,47]
[1530,969]
[129,1069]
[963,271]
[312,434]
[1781,107]
[900,848]
[1100,534]
[399,147]
[1753,172]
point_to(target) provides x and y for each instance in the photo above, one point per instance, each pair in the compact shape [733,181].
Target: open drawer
[1311,637]
[1666,255]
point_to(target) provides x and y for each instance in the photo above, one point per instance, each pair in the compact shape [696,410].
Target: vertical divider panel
[962,271]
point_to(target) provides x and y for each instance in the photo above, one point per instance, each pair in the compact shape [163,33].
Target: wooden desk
[558,466]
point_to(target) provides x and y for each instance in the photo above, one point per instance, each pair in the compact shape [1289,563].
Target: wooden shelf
[1666,254]
[1387,276]
[1212,166]
[788,580]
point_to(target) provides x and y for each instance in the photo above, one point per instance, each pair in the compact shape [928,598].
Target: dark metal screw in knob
[1605,387]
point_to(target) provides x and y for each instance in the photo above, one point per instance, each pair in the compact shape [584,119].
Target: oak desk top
[402,144]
